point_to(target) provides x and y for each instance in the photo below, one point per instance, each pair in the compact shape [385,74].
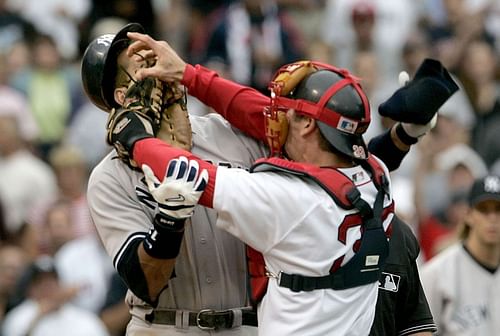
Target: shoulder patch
[389,282]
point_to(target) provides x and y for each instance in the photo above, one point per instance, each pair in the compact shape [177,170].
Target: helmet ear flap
[98,67]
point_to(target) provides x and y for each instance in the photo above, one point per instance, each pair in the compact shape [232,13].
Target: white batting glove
[415,130]
[180,189]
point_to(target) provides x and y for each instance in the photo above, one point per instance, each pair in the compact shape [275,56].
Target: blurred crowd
[51,135]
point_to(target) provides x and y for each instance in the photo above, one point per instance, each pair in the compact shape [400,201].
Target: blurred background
[51,136]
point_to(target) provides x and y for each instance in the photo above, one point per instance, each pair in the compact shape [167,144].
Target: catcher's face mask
[284,81]
[342,116]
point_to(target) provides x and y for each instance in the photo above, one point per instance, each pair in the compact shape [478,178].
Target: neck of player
[486,254]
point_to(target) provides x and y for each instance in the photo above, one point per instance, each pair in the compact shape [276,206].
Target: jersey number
[351,221]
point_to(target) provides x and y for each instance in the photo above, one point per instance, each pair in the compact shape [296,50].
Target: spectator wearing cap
[461,283]
[46,310]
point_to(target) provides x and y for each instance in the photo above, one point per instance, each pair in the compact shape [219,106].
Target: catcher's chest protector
[346,195]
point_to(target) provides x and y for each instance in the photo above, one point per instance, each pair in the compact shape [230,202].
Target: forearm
[146,276]
[156,271]
[242,106]
[390,148]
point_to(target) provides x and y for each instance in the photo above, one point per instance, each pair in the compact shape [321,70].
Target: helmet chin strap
[131,79]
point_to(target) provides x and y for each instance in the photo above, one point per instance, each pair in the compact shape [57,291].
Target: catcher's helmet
[342,109]
[99,65]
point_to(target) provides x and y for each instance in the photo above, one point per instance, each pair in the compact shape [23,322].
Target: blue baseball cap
[485,189]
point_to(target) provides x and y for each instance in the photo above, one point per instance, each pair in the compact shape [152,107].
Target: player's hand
[180,189]
[416,130]
[169,66]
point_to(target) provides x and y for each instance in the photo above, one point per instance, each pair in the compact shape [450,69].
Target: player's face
[131,64]
[294,145]
[127,68]
[486,222]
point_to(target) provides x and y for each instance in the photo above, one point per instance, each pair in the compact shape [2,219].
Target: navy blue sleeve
[384,148]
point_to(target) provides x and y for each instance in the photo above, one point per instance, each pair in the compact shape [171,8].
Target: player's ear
[308,126]
[119,95]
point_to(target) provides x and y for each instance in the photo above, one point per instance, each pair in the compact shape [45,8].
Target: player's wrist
[164,239]
[166,224]
[404,136]
[163,245]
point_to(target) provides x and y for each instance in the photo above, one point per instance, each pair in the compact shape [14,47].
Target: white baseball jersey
[211,268]
[296,224]
[464,297]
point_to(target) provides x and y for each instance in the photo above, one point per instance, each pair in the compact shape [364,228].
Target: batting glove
[180,189]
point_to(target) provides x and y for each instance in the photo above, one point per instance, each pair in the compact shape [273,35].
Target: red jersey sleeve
[242,106]
[157,154]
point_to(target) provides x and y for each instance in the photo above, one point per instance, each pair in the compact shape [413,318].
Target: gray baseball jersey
[211,268]
[463,295]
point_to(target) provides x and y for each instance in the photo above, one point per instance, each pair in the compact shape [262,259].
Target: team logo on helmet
[105,39]
[347,125]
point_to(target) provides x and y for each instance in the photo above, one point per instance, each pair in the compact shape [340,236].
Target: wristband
[165,223]
[404,137]
[164,239]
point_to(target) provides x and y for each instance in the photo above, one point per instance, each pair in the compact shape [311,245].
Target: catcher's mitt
[161,106]
[175,127]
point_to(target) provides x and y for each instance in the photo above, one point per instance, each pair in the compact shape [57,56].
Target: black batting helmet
[99,65]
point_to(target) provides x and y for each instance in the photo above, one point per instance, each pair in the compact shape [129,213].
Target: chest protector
[371,251]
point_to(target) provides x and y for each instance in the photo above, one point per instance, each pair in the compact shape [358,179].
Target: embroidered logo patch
[347,125]
[389,282]
[357,177]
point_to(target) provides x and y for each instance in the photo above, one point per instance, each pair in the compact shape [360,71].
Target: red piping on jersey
[157,154]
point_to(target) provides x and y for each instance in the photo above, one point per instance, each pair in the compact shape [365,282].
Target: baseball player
[462,281]
[208,289]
